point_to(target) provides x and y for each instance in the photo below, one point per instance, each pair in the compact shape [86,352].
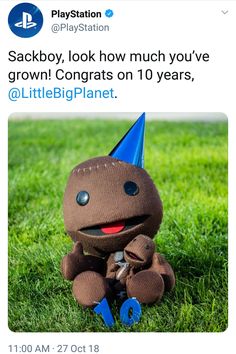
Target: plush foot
[146,286]
[89,288]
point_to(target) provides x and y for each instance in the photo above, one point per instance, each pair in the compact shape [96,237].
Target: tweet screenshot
[118,177]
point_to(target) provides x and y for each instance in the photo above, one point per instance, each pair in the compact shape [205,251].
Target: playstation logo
[25,20]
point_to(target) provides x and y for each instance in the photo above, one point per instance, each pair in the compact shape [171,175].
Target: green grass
[188,162]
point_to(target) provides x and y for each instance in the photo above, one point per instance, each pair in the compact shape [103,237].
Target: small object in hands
[136,273]
[136,256]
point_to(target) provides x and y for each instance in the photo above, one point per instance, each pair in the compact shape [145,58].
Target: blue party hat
[130,148]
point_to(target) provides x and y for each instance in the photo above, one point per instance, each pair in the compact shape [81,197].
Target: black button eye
[131,188]
[147,247]
[82,198]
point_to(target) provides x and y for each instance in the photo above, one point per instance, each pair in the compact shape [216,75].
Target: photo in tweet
[105,210]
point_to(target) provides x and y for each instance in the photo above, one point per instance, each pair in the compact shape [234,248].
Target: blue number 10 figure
[130,312]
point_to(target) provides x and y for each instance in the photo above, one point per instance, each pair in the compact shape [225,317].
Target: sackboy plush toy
[137,256]
[123,267]
[109,201]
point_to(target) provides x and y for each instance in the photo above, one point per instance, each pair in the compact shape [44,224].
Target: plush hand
[112,267]
[161,266]
[76,262]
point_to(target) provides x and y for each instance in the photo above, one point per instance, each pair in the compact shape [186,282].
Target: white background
[138,26]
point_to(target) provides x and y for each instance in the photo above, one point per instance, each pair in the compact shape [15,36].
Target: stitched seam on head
[90,168]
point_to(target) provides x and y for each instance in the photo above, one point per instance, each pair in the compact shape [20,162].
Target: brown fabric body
[104,178]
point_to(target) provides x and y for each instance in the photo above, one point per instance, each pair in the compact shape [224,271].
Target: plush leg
[146,286]
[89,288]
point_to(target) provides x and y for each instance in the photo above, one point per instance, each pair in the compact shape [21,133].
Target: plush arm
[76,262]
[160,265]
[112,267]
